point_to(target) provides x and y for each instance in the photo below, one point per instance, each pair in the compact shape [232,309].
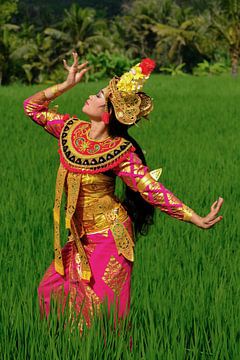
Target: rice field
[186,281]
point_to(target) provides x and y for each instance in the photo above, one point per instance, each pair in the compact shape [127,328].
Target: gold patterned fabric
[98,209]
[73,187]
[115,275]
[37,108]
[138,178]
[61,175]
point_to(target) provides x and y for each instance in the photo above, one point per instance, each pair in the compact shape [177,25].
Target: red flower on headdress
[147,65]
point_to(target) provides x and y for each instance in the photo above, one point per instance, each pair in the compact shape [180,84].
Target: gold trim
[58,263]
[156,173]
[86,271]
[144,182]
[74,183]
[187,213]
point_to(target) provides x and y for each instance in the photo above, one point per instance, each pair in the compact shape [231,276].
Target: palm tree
[134,26]
[177,37]
[180,35]
[8,8]
[85,29]
[8,41]
[226,22]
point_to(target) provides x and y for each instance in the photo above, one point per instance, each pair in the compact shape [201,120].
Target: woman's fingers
[216,206]
[81,73]
[212,218]
[82,65]
[84,70]
[76,71]
[213,222]
[65,65]
[75,67]
[213,205]
[75,58]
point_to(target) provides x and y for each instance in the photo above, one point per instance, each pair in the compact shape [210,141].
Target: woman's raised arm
[37,105]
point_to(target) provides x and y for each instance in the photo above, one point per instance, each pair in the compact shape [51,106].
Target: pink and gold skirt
[110,281]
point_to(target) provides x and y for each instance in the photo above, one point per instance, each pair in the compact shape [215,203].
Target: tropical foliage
[178,34]
[226,25]
[205,68]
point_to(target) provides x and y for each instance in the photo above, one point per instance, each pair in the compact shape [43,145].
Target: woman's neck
[98,131]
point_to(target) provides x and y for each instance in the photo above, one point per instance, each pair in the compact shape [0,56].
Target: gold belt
[97,215]
[108,213]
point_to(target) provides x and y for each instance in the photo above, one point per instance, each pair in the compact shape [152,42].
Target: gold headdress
[130,104]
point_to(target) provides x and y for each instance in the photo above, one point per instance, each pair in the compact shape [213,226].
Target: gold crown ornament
[129,102]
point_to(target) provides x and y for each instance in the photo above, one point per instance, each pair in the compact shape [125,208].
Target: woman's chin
[84,110]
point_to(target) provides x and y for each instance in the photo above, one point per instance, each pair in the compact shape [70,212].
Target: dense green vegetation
[185,289]
[36,36]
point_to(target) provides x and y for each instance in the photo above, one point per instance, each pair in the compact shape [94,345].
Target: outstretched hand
[212,218]
[75,71]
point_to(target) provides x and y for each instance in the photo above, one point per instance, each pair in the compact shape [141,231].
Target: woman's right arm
[37,105]
[37,108]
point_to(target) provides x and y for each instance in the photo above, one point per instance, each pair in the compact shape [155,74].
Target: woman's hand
[75,71]
[211,219]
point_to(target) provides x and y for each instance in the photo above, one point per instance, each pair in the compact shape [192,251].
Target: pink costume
[96,261]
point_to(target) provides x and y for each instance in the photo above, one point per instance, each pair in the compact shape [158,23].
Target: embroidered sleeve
[137,177]
[36,107]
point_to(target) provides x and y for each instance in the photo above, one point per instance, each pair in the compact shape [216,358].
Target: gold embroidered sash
[122,238]
[74,183]
[61,175]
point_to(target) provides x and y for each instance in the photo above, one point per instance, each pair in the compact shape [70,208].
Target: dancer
[96,262]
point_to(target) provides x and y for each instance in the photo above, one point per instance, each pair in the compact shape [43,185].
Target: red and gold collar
[79,153]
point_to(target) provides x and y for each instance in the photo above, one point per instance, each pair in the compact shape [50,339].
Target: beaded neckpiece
[79,153]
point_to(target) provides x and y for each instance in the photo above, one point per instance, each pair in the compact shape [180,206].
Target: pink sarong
[111,277]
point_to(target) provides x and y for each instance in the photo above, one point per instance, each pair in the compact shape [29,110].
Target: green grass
[185,285]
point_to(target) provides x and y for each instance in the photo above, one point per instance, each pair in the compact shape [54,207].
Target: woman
[96,262]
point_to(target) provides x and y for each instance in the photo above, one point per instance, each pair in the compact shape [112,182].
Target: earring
[105,117]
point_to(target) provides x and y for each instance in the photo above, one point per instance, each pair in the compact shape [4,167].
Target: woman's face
[95,105]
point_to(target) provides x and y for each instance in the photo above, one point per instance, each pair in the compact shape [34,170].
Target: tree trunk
[234,61]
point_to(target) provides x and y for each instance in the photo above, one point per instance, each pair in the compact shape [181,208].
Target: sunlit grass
[185,289]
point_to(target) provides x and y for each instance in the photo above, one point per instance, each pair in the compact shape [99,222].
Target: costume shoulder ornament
[81,154]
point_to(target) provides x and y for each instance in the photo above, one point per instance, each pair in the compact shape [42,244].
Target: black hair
[139,210]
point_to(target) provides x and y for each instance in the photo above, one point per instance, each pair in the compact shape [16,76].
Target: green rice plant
[185,301]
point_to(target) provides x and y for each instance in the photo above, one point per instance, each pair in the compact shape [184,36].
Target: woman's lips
[86,102]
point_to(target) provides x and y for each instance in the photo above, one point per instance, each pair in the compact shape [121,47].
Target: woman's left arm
[137,176]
